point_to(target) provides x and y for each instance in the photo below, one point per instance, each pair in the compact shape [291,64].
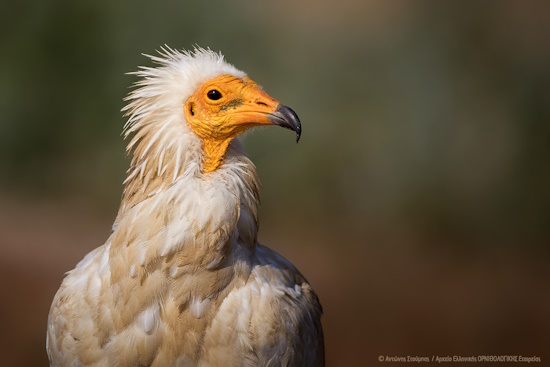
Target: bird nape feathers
[182,281]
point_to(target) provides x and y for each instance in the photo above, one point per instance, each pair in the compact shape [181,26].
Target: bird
[182,280]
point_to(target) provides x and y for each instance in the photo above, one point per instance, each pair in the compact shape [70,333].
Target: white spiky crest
[156,105]
[178,75]
[163,146]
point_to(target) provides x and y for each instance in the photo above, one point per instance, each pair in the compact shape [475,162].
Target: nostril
[260,103]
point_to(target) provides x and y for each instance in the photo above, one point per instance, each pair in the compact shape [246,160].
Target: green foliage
[431,116]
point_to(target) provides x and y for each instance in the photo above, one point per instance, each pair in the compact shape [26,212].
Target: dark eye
[214,95]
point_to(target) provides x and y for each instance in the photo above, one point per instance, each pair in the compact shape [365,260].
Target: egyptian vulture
[182,281]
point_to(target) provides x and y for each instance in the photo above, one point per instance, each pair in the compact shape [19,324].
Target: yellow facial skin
[216,118]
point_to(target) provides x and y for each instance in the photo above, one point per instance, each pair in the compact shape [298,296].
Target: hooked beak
[284,116]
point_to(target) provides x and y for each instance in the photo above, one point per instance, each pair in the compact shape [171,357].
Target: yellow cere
[223,108]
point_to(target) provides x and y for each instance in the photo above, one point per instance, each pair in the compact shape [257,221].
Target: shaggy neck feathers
[166,180]
[163,148]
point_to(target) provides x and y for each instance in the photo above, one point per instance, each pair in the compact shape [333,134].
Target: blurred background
[417,202]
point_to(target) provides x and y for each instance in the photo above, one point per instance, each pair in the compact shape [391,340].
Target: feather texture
[182,281]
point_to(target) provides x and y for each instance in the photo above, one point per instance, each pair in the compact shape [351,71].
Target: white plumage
[182,281]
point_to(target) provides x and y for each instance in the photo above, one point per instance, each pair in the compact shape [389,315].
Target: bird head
[225,106]
[184,115]
[196,99]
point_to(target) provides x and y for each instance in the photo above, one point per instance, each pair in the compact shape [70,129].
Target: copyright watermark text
[461,359]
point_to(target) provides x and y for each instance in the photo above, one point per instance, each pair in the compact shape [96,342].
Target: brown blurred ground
[381,294]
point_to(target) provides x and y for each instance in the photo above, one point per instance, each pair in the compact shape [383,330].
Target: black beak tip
[284,116]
